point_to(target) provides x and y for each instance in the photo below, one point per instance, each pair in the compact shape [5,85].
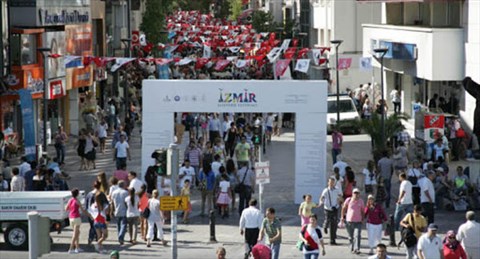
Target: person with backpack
[414,224]
[311,236]
[404,202]
[413,175]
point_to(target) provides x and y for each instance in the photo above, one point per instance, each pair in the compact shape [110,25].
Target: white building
[325,20]
[433,46]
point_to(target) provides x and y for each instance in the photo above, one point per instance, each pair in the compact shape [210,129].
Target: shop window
[23,47]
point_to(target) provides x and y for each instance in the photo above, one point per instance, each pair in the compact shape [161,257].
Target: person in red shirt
[452,249]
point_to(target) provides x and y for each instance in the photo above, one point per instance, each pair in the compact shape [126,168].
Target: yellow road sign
[173,202]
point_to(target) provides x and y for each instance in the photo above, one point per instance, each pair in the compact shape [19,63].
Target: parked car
[349,116]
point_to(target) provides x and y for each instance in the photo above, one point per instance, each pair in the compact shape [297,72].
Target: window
[23,47]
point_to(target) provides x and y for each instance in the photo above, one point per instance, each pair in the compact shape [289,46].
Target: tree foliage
[196,5]
[236,7]
[263,21]
[153,21]
[373,127]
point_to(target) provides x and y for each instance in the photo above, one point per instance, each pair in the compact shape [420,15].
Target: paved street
[193,239]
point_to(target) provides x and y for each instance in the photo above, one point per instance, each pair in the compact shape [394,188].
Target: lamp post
[337,44]
[382,52]
[126,87]
[44,52]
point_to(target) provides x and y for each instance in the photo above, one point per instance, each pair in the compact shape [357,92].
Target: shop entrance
[307,99]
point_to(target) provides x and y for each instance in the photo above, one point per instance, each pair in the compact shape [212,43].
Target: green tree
[236,7]
[263,21]
[197,5]
[153,21]
[373,127]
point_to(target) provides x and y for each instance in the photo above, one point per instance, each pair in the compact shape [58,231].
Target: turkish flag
[221,64]
[201,63]
[294,42]
[302,52]
[281,66]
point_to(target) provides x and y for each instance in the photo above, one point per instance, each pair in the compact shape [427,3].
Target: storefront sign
[62,17]
[28,123]
[28,78]
[49,13]
[82,77]
[56,88]
[56,41]
[78,40]
[434,126]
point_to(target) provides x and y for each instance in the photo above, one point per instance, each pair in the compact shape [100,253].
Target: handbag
[241,187]
[300,245]
[146,212]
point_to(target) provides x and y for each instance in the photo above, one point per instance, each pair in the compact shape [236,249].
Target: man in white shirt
[186,172]
[427,196]
[331,199]
[24,166]
[404,202]
[250,223]
[18,182]
[122,152]
[216,165]
[341,165]
[469,234]
[102,134]
[381,252]
[134,182]
[429,245]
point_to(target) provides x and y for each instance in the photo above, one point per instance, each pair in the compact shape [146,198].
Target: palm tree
[373,127]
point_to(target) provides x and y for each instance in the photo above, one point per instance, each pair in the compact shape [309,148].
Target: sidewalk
[193,239]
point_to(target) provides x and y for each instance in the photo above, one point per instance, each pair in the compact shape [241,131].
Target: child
[305,209]
[224,197]
[186,192]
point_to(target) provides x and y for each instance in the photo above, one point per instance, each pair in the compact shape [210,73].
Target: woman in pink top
[375,215]
[73,207]
[352,213]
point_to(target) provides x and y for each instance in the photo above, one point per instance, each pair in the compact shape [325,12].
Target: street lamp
[337,44]
[382,52]
[44,52]
[125,89]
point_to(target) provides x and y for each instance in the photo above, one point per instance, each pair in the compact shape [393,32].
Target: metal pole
[338,84]
[45,104]
[174,152]
[382,107]
[260,186]
[129,26]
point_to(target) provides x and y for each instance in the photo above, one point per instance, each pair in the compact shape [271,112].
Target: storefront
[65,28]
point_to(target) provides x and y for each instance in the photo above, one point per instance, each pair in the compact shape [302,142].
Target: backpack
[413,179]
[408,234]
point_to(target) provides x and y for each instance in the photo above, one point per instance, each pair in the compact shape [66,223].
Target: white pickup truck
[14,207]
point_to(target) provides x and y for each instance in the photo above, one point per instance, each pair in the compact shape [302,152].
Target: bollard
[212,227]
[391,227]
[33,217]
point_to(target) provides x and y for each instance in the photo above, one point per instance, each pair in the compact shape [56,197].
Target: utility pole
[173,154]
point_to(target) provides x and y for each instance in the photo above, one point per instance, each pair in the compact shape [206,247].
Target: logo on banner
[56,89]
[237,99]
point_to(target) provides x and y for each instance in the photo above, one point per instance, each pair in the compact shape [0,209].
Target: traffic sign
[262,172]
[173,202]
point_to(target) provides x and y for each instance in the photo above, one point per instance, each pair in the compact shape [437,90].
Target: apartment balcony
[435,54]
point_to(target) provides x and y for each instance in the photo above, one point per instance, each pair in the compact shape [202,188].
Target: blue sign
[397,50]
[26,103]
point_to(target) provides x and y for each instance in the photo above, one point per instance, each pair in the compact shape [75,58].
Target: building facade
[432,45]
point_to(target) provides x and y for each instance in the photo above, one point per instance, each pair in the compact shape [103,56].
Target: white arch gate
[308,99]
